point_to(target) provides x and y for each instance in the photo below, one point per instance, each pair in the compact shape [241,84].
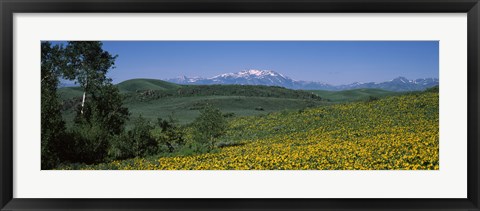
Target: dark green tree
[101,115]
[108,108]
[143,142]
[88,65]
[209,126]
[52,125]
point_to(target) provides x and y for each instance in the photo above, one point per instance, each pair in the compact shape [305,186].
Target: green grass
[159,99]
[354,94]
[186,109]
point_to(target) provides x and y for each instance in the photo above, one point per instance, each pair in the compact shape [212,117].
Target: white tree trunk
[83,100]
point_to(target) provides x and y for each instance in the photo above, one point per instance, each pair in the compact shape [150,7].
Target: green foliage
[121,147]
[259,108]
[137,142]
[52,125]
[69,93]
[106,108]
[372,98]
[143,142]
[169,135]
[145,139]
[88,144]
[229,115]
[208,127]
[100,115]
[109,108]
[88,64]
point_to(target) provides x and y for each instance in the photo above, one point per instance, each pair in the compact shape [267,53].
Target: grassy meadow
[273,128]
[154,99]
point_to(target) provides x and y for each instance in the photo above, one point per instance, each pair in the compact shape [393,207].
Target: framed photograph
[227,105]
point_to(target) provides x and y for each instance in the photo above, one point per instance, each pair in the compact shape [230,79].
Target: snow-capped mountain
[272,78]
[253,77]
[398,84]
[184,80]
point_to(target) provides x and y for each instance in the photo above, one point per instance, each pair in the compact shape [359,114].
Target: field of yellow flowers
[400,133]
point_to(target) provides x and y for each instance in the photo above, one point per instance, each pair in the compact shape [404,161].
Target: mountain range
[272,78]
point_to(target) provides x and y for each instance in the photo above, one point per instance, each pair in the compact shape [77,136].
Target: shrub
[143,142]
[168,135]
[138,142]
[229,115]
[121,147]
[259,108]
[88,144]
[372,98]
[208,127]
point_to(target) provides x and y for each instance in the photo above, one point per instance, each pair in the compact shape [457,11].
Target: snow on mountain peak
[272,78]
[402,80]
[261,72]
[250,73]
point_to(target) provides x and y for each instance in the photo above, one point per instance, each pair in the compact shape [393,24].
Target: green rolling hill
[67,93]
[129,86]
[141,84]
[156,98]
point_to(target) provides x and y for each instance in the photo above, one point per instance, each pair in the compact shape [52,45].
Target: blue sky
[334,62]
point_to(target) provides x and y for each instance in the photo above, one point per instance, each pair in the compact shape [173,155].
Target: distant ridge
[134,85]
[272,78]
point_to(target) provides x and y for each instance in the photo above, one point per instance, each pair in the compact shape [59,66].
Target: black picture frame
[9,7]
